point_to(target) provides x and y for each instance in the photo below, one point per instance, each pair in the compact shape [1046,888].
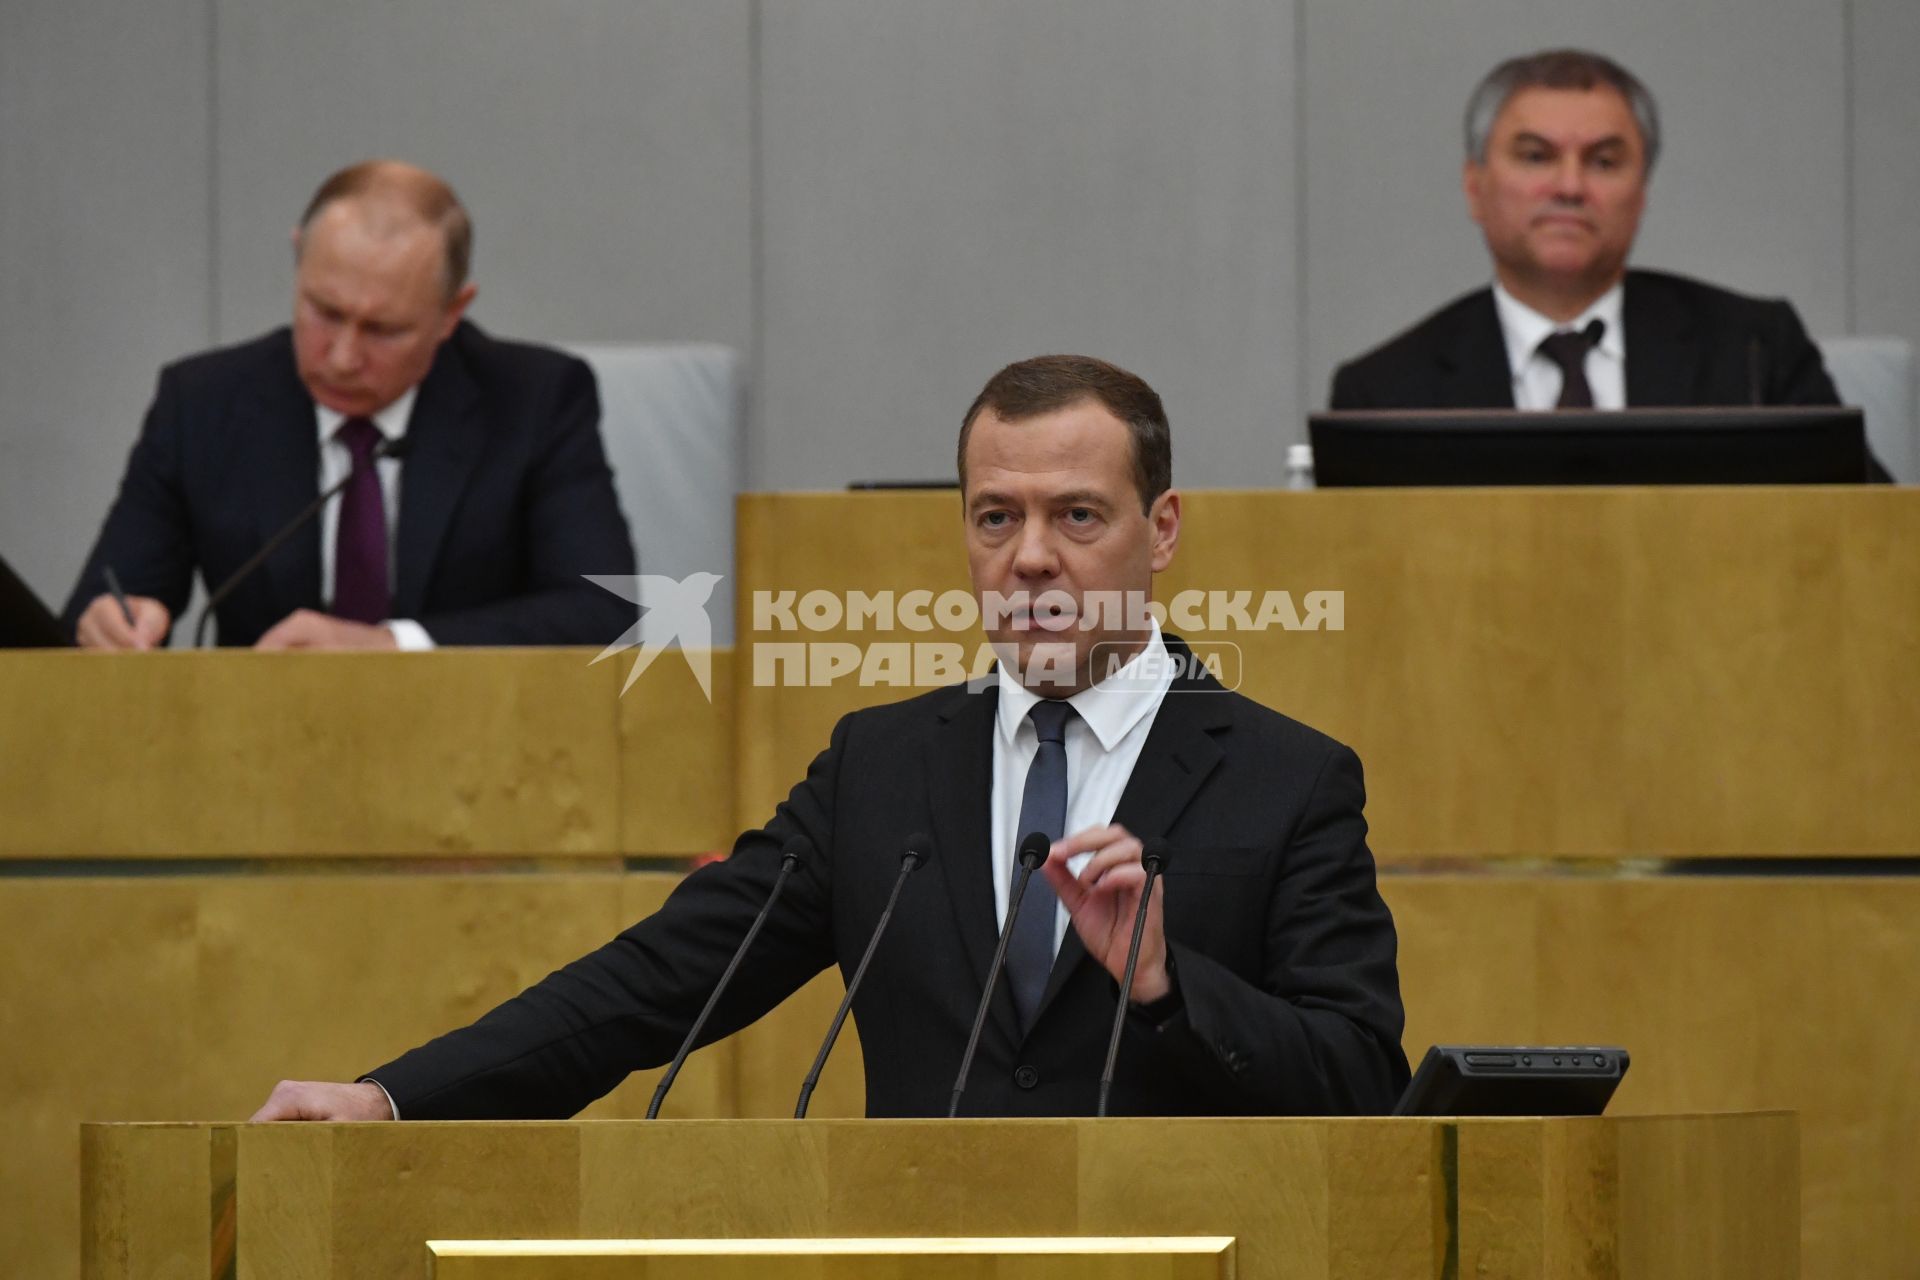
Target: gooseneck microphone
[385,449]
[1154,858]
[791,854]
[919,849]
[1033,851]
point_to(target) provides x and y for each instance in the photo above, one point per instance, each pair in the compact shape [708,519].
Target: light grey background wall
[881,203]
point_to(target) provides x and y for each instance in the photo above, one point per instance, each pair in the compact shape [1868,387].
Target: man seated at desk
[1560,146]
[474,531]
[1267,980]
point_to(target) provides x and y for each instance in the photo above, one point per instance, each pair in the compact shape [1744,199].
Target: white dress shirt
[336,463]
[1103,745]
[1537,379]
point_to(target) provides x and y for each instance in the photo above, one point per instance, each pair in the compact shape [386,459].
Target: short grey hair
[1559,69]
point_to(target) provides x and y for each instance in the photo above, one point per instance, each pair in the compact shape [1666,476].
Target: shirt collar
[1111,708]
[1523,328]
[391,422]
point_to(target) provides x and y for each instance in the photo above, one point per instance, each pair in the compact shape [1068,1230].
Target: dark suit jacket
[1283,952]
[1688,343]
[505,496]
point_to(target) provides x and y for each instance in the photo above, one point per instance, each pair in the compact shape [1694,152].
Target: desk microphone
[919,849]
[1154,858]
[1033,851]
[790,855]
[385,449]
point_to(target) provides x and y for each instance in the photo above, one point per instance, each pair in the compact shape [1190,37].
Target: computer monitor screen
[1818,444]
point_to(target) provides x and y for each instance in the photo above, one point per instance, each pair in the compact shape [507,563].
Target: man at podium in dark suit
[477,491]
[1267,980]
[1559,149]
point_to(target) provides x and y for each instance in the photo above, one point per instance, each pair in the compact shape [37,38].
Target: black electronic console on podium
[1768,444]
[1514,1080]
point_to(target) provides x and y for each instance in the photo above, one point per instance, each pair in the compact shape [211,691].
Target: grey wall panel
[602,146]
[946,188]
[1750,191]
[103,253]
[1886,168]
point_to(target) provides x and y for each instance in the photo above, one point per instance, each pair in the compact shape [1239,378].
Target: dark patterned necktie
[1569,351]
[360,591]
[1043,808]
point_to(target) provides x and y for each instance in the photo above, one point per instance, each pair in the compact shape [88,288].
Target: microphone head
[395,448]
[1033,848]
[919,849]
[1153,854]
[795,850]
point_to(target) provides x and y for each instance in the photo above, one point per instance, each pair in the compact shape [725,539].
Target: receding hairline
[981,410]
[1041,385]
[1559,70]
[393,198]
[1144,473]
[1086,397]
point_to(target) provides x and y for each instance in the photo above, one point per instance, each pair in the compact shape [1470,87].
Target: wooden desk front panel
[188,997]
[1302,1199]
[455,754]
[1607,673]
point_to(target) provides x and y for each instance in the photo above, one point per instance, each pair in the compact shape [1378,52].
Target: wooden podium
[1640,1197]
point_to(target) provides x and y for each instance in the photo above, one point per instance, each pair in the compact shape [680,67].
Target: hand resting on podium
[320,1100]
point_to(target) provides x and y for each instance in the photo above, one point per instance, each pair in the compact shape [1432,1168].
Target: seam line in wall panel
[756,251]
[213,172]
[1850,222]
[1301,346]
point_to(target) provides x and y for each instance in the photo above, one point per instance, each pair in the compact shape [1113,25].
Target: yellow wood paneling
[187,998]
[1730,993]
[457,752]
[1535,1197]
[1525,673]
[462,753]
[676,755]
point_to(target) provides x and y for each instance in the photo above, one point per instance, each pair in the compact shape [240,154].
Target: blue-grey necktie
[1043,808]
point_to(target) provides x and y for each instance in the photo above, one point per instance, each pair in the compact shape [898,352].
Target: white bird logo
[673,612]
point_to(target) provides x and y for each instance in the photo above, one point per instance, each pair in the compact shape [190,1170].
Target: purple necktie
[360,591]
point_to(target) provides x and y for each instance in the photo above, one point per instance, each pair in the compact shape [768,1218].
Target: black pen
[119,596]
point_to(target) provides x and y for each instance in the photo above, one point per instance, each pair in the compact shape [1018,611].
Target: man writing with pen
[473,488]
[1266,980]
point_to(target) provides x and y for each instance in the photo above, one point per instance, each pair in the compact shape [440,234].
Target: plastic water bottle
[1299,466]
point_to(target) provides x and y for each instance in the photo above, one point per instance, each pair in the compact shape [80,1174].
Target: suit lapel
[1475,372]
[445,439]
[1178,756]
[959,768]
[279,447]
[1663,354]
